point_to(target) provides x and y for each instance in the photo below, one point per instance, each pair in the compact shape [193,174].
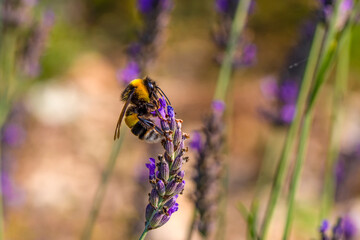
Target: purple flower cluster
[344,229]
[155,14]
[12,136]
[19,15]
[208,145]
[36,44]
[165,175]
[246,51]
[284,90]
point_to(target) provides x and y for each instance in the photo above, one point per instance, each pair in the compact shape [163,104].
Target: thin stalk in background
[100,191]
[221,93]
[264,176]
[321,76]
[226,66]
[294,127]
[297,171]
[342,71]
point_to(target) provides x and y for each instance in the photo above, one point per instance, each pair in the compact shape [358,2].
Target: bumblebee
[141,99]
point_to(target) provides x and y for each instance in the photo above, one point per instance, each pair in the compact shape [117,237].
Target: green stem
[2,229]
[226,67]
[297,171]
[325,66]
[338,97]
[294,127]
[100,192]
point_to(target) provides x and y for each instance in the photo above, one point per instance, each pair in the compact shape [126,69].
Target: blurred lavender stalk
[166,175]
[155,15]
[17,29]
[236,51]
[208,145]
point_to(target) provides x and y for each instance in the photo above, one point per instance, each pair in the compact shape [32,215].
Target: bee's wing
[117,129]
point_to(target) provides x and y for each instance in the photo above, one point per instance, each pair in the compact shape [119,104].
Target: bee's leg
[151,125]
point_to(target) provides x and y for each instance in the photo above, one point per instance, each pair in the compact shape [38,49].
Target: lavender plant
[229,37]
[155,15]
[342,18]
[22,41]
[208,145]
[344,229]
[322,54]
[245,53]
[166,175]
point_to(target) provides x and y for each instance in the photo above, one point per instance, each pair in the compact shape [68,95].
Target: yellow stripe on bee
[141,89]
[131,120]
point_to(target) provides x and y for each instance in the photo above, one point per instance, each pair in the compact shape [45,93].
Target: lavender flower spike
[166,175]
[208,145]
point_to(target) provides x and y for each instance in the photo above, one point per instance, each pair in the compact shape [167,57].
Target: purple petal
[130,72]
[218,106]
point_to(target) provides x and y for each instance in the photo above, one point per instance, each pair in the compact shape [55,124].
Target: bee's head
[151,86]
[154,89]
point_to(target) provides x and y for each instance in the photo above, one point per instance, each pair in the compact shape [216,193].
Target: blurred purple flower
[218,106]
[222,5]
[288,113]
[349,228]
[249,54]
[196,141]
[36,44]
[324,226]
[13,134]
[288,91]
[246,53]
[130,72]
[146,6]
[344,229]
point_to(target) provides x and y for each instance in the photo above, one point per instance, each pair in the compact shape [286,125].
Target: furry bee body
[141,97]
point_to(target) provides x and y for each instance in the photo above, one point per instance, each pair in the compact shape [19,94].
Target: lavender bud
[177,136]
[181,174]
[164,170]
[177,163]
[149,211]
[164,220]
[170,203]
[151,166]
[179,187]
[171,114]
[154,198]
[169,147]
[164,125]
[170,188]
[154,222]
[160,186]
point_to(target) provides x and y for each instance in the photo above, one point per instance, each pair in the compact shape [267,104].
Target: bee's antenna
[163,94]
